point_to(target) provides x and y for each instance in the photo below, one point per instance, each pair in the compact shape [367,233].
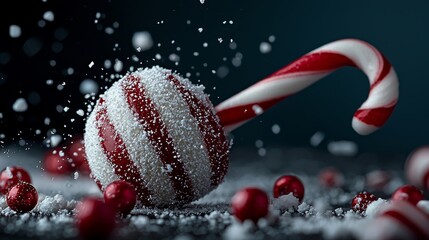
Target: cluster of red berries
[67,158]
[15,183]
[96,218]
[409,193]
[253,203]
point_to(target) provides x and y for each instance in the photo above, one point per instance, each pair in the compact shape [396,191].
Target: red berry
[361,201]
[250,204]
[121,195]
[288,184]
[95,219]
[377,179]
[22,197]
[409,193]
[11,176]
[330,177]
[76,152]
[56,162]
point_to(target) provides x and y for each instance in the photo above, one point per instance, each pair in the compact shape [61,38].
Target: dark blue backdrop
[396,28]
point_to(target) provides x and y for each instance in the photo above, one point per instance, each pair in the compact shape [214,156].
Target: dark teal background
[396,28]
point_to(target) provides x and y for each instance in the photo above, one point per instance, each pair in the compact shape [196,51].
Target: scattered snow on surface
[376,207]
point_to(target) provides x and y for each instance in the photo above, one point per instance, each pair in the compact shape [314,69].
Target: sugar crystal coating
[159,132]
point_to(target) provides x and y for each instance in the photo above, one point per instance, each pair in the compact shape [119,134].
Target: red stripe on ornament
[116,152]
[214,137]
[316,62]
[237,114]
[158,135]
[419,233]
[375,116]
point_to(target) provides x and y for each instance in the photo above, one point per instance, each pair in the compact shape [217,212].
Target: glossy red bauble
[10,176]
[22,197]
[409,193]
[56,162]
[120,195]
[95,219]
[75,150]
[289,184]
[250,204]
[361,201]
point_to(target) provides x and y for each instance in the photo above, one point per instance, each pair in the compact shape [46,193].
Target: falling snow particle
[49,16]
[55,140]
[343,148]
[200,29]
[222,71]
[265,47]
[202,1]
[118,65]
[107,64]
[20,105]
[271,38]
[276,129]
[174,57]
[317,138]
[142,41]
[80,112]
[88,86]
[91,64]
[220,40]
[14,31]
[257,109]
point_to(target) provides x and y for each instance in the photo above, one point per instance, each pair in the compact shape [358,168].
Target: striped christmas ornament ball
[159,132]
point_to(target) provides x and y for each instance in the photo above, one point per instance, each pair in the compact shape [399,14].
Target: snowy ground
[325,213]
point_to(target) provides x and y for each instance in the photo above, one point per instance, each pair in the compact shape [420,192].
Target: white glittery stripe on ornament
[138,146]
[418,166]
[182,127]
[97,160]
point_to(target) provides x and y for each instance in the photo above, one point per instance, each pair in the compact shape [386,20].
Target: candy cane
[373,113]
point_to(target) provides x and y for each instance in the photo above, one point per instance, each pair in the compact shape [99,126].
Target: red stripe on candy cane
[158,135]
[313,66]
[116,151]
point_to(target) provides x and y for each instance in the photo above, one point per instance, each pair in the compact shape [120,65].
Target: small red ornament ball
[10,176]
[57,162]
[120,195]
[361,201]
[76,152]
[409,193]
[22,197]
[288,184]
[95,219]
[250,204]
[331,177]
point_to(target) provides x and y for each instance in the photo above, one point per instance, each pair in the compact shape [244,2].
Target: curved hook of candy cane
[373,113]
